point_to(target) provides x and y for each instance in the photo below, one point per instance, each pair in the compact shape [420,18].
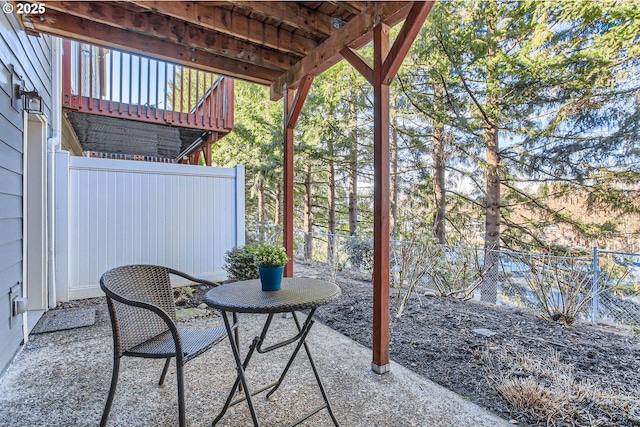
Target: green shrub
[240,264]
[270,256]
[360,252]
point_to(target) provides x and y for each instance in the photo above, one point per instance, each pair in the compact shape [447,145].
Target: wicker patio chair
[143,319]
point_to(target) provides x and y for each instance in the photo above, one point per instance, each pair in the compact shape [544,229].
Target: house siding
[30,58]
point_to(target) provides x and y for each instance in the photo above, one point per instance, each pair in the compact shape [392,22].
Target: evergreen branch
[464,83]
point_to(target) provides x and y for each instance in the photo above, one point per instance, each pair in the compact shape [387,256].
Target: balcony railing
[113,83]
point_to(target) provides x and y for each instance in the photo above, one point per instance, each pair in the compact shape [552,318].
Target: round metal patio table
[248,297]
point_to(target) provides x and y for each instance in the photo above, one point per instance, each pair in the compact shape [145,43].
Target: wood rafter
[354,7]
[234,24]
[276,43]
[73,27]
[175,31]
[292,14]
[351,35]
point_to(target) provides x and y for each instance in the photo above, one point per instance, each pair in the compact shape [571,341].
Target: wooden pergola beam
[353,34]
[354,7]
[234,24]
[360,63]
[410,29]
[181,33]
[73,27]
[294,15]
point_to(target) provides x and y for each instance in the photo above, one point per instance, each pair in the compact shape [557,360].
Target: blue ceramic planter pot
[271,278]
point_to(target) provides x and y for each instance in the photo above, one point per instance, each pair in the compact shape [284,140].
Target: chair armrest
[191,278]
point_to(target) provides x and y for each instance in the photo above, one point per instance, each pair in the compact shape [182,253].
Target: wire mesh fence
[558,287]
[619,300]
[603,287]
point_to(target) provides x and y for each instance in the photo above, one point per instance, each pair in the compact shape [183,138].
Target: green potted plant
[270,261]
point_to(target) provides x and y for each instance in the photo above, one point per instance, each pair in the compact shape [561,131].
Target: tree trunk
[393,190]
[278,214]
[331,202]
[353,169]
[492,226]
[308,213]
[262,211]
[489,289]
[438,170]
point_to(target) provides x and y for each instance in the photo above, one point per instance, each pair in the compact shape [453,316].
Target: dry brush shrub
[447,272]
[411,261]
[547,393]
[458,272]
[562,285]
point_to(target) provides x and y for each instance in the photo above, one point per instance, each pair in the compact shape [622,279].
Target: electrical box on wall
[19,305]
[17,301]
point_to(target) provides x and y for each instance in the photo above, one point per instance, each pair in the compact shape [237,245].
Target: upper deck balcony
[118,84]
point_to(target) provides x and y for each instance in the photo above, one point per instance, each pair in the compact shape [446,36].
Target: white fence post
[240,209]
[62,225]
[595,286]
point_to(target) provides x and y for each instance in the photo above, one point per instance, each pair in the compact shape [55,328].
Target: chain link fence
[601,288]
[619,300]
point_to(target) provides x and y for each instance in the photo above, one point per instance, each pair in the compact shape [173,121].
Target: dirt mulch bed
[439,339]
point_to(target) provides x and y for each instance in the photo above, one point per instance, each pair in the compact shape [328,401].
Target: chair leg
[112,391]
[181,411]
[164,371]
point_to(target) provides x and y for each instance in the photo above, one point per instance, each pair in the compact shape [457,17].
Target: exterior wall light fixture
[31,99]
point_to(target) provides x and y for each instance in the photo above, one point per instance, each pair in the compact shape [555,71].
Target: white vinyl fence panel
[128,212]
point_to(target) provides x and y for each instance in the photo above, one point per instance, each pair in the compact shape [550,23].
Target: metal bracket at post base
[381,369]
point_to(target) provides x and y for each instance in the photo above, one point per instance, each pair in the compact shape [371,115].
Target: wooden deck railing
[113,83]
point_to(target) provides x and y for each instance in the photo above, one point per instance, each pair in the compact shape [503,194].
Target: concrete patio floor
[62,379]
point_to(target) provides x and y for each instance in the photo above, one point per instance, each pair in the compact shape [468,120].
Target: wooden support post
[380,362]
[287,181]
[208,154]
[386,62]
[68,100]
[194,158]
[292,108]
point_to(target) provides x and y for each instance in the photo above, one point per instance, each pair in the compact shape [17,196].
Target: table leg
[240,366]
[317,375]
[303,341]
[306,328]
